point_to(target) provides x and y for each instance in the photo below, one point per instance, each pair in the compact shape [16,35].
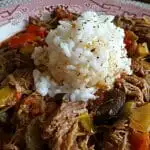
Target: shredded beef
[61,128]
[139,88]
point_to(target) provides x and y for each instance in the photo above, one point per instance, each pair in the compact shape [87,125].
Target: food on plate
[76,82]
[91,54]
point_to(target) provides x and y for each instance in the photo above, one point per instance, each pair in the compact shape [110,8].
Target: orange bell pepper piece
[22,39]
[39,31]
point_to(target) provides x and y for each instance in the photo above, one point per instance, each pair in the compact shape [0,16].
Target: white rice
[81,56]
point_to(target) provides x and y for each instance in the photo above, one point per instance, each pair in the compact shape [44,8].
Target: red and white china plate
[14,18]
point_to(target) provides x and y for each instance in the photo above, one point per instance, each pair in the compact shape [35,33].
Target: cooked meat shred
[117,137]
[10,60]
[133,91]
[7,64]
[21,79]
[31,107]
[64,125]
[140,67]
[141,27]
[141,84]
[10,147]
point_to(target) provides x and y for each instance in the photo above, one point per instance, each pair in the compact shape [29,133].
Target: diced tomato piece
[62,13]
[127,42]
[42,33]
[139,141]
[33,104]
[18,96]
[22,39]
[30,100]
[130,39]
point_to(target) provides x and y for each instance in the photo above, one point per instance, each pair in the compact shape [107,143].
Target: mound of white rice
[81,56]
